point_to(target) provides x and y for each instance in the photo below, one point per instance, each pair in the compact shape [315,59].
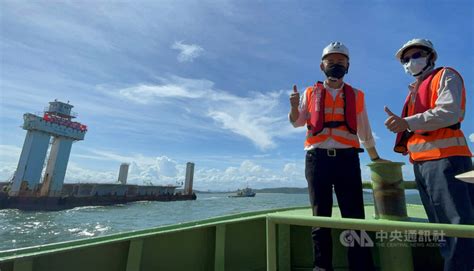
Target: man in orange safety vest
[429,131]
[336,119]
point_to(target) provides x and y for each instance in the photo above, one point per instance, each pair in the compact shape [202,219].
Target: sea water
[23,229]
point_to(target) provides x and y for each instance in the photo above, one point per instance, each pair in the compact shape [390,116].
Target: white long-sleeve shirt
[448,105]
[364,132]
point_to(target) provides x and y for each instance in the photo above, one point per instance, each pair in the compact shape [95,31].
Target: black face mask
[337,71]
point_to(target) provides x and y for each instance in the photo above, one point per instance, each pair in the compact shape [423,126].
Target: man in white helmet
[429,130]
[336,120]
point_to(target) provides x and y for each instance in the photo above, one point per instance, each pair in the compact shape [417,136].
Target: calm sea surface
[23,229]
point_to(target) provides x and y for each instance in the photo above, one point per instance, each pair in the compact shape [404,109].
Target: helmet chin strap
[428,65]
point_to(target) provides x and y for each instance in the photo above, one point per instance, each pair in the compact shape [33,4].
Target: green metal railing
[389,205]
[393,258]
[466,231]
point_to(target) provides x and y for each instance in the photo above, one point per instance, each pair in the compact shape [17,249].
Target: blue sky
[160,83]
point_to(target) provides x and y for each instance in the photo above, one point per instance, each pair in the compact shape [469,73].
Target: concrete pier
[56,167]
[30,165]
[123,173]
[188,182]
[57,123]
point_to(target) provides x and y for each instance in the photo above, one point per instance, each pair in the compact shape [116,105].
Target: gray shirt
[447,109]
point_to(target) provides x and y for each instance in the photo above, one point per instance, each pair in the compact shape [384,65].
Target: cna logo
[349,238]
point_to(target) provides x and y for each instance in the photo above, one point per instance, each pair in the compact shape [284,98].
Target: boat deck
[263,240]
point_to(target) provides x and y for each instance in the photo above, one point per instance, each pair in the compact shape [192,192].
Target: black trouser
[323,171]
[449,200]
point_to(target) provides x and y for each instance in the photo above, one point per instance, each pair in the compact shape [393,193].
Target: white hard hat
[335,48]
[417,43]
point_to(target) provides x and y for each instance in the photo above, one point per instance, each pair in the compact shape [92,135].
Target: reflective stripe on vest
[438,144]
[343,137]
[333,112]
[441,143]
[336,111]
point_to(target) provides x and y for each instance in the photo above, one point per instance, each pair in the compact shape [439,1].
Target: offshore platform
[30,190]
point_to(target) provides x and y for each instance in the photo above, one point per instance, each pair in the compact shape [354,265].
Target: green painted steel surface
[219,258]
[134,254]
[388,190]
[235,242]
[394,257]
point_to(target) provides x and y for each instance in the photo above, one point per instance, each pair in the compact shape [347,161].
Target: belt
[336,152]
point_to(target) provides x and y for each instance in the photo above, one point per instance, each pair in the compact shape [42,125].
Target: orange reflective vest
[431,145]
[334,118]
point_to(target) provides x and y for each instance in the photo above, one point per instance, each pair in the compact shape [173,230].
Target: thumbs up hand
[385,108]
[295,98]
[394,123]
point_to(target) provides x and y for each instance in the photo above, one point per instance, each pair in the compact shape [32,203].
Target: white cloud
[9,153]
[78,174]
[9,156]
[291,168]
[249,173]
[164,170]
[174,87]
[188,52]
[143,170]
[166,166]
[257,117]
[471,137]
[375,136]
[244,125]
[248,167]
[7,171]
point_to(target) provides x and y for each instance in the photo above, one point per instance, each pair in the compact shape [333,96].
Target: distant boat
[246,192]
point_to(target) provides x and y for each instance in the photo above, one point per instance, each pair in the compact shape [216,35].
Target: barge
[55,130]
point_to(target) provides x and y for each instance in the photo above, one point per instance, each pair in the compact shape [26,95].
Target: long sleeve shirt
[447,109]
[364,132]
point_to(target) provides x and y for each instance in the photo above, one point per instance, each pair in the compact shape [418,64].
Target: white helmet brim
[425,43]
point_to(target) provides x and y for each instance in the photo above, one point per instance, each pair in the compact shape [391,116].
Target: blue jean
[451,201]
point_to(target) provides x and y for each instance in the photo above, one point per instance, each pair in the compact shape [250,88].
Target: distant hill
[288,190]
[284,190]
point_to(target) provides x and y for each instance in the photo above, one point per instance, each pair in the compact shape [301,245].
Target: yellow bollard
[388,190]
[390,204]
